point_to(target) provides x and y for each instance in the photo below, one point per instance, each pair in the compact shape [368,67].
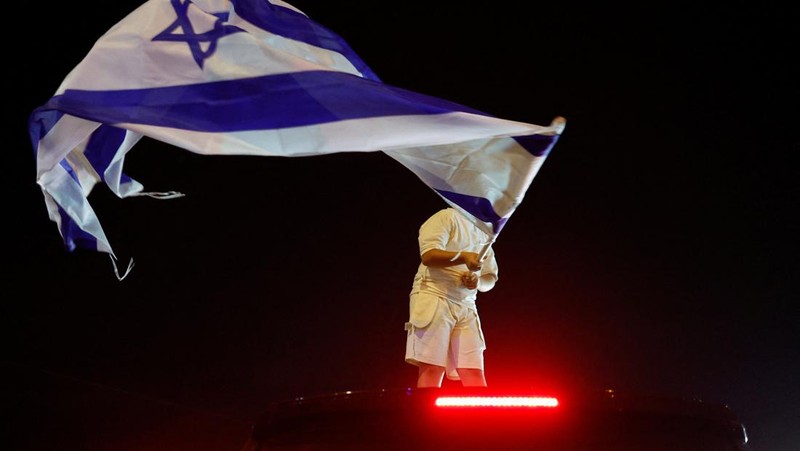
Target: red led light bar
[496,401]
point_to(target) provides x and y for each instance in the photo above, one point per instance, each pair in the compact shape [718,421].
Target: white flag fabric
[258,77]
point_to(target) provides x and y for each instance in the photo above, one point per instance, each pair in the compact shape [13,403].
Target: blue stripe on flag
[74,236]
[40,122]
[259,103]
[102,147]
[538,145]
[293,25]
[478,207]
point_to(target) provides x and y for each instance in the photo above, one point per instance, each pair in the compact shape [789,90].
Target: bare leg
[430,375]
[471,377]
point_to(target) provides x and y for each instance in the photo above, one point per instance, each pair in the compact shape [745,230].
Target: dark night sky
[656,250]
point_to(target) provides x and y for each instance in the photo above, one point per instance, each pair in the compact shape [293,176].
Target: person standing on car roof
[444,329]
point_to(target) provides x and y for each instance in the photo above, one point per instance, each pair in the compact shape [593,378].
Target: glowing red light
[496,401]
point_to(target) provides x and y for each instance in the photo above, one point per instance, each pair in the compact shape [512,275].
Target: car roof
[402,418]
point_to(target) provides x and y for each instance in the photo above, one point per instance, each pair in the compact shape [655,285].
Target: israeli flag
[258,77]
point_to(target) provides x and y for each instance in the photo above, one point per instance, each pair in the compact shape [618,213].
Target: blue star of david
[192,39]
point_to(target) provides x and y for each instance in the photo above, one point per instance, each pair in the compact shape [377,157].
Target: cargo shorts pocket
[422,307]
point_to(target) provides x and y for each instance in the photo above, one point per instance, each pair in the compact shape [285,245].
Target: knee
[471,377]
[430,375]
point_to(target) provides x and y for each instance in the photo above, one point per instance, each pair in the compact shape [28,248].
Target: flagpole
[486,247]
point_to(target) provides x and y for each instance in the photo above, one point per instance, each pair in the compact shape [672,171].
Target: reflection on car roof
[407,418]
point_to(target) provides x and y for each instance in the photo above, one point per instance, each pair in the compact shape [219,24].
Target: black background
[656,250]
